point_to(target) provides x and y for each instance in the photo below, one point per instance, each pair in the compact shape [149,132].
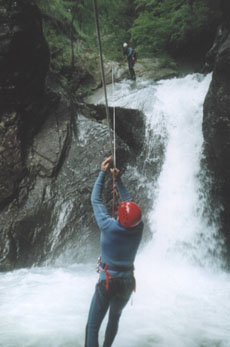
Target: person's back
[119,243]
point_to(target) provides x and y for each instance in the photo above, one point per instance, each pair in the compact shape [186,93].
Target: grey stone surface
[216,125]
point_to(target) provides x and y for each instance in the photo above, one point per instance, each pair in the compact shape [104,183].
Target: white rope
[114,123]
[102,71]
[114,146]
[112,138]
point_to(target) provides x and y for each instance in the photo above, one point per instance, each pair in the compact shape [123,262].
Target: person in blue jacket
[131,59]
[119,242]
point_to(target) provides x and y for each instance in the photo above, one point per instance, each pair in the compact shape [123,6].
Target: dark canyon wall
[50,151]
[216,123]
[24,60]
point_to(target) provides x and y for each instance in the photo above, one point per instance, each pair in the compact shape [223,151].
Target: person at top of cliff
[120,239]
[131,57]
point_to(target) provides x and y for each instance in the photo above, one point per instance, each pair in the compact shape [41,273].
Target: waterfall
[177,218]
[182,297]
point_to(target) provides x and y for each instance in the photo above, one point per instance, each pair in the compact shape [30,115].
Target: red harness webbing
[135,284]
[108,276]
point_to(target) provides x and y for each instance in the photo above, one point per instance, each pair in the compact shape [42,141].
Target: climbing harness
[108,277]
[105,267]
[112,136]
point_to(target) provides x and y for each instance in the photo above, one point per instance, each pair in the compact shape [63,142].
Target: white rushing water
[182,297]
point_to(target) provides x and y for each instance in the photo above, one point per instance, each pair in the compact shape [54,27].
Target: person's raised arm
[99,208]
[122,190]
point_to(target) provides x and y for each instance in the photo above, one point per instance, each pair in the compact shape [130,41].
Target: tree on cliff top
[177,27]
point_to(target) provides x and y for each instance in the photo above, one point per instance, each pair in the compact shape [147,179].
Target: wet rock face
[48,148]
[216,126]
[75,235]
[24,53]
[11,164]
[131,127]
[52,217]
[24,59]
[50,152]
[26,222]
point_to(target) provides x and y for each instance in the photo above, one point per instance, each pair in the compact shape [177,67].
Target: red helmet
[129,214]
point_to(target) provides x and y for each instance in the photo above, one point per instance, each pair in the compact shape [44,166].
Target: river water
[182,297]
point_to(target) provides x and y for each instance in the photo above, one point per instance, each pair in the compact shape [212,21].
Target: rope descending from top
[112,139]
[114,124]
[114,151]
[103,73]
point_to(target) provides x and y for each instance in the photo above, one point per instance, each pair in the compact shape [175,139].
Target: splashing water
[182,297]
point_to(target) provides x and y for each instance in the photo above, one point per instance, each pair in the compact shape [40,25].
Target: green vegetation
[156,28]
[176,27]
[62,26]
[69,27]
[116,19]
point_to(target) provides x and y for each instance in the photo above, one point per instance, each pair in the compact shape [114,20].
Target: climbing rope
[114,149]
[114,123]
[103,72]
[112,136]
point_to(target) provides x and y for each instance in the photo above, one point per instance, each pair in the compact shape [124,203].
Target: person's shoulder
[109,224]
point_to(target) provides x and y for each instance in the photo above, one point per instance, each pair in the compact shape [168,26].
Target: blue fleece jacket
[118,244]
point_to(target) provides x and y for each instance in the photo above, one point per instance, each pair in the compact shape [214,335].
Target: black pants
[131,64]
[114,299]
